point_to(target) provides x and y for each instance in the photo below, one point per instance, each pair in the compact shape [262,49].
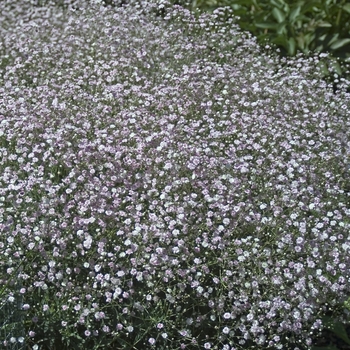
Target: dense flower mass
[166,183]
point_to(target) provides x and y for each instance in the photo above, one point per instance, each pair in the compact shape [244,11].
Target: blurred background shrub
[294,26]
[304,25]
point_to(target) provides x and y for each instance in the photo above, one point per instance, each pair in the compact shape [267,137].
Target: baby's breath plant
[166,183]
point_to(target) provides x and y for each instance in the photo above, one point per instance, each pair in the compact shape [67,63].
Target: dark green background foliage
[295,26]
[305,25]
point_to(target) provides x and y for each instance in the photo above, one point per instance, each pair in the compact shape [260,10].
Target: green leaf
[278,14]
[337,68]
[334,39]
[266,25]
[281,40]
[309,6]
[294,13]
[346,7]
[325,40]
[324,24]
[281,29]
[278,3]
[245,3]
[305,40]
[337,328]
[339,43]
[347,304]
[291,46]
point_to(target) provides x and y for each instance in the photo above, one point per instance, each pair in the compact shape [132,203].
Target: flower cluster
[166,182]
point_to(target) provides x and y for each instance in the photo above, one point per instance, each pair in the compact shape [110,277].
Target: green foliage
[293,26]
[336,330]
[321,25]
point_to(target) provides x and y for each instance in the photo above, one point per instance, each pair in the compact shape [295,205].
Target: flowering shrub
[166,183]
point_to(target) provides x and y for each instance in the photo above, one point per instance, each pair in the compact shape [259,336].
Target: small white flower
[226,330]
[227,315]
[87,243]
